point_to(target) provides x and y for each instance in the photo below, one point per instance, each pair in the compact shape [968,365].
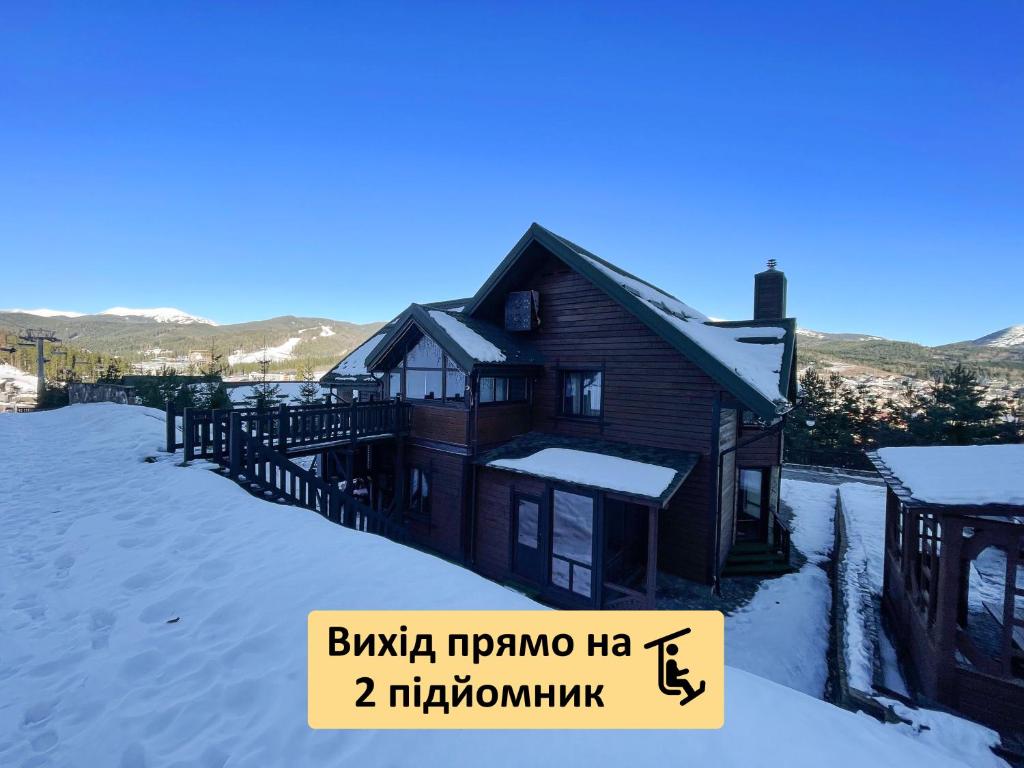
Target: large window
[502,389]
[581,394]
[419,494]
[572,542]
[426,373]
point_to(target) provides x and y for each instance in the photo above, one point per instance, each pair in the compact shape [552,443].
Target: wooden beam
[652,556]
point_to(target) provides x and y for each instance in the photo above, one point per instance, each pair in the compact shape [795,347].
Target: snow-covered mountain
[1008,337]
[160,314]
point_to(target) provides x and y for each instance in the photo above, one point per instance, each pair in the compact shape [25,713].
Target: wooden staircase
[252,448]
[756,559]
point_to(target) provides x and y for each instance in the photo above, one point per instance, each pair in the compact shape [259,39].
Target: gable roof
[352,367]
[467,341]
[754,360]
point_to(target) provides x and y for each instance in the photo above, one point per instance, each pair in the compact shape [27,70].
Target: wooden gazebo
[954,575]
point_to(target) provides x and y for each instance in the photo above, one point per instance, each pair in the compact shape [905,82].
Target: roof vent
[772,263]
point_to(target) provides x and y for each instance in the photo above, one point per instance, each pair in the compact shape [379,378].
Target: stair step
[751,546]
[757,569]
[761,557]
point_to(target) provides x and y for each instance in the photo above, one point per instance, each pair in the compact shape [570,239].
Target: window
[419,494]
[527,514]
[428,374]
[502,389]
[572,542]
[581,393]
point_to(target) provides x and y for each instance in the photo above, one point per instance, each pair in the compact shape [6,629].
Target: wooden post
[187,441]
[171,429]
[352,422]
[235,445]
[652,557]
[282,427]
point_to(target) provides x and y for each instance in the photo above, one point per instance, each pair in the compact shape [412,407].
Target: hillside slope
[153,614]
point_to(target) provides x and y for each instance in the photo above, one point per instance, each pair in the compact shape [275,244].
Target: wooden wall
[494,518]
[448,472]
[441,423]
[498,423]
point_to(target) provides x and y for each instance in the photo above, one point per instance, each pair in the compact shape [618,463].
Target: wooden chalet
[574,430]
[954,575]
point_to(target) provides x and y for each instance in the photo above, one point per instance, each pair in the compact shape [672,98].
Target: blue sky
[242,160]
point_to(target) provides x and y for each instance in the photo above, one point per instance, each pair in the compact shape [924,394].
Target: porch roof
[639,472]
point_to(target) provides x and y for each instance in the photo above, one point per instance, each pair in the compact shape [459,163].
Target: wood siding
[440,423]
[652,395]
[493,534]
[498,423]
[447,472]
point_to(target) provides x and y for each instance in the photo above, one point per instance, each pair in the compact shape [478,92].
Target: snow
[42,312]
[326,330]
[99,558]
[960,474]
[475,345]
[1008,337]
[160,314]
[274,354]
[23,382]
[288,388]
[860,577]
[809,333]
[354,363]
[757,363]
[860,573]
[782,633]
[597,470]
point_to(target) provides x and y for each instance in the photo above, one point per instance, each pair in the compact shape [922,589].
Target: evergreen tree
[264,394]
[309,390]
[212,393]
[956,411]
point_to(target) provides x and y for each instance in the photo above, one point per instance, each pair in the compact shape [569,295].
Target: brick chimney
[770,293]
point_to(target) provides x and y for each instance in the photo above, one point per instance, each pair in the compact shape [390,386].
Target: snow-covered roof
[353,365]
[754,353]
[958,474]
[593,469]
[474,345]
[648,473]
[752,359]
[469,342]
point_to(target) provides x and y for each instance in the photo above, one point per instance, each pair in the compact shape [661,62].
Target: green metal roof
[468,341]
[686,329]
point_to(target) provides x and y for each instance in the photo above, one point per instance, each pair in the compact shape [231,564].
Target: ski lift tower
[38,337]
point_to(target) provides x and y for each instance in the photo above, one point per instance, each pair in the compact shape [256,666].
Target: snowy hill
[42,312]
[1008,337]
[153,614]
[160,314]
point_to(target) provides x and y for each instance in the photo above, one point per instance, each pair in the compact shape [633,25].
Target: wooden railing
[206,432]
[781,537]
[254,463]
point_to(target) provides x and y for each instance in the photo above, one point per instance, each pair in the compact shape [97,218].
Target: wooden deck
[292,430]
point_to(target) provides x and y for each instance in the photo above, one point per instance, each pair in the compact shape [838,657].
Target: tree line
[835,418]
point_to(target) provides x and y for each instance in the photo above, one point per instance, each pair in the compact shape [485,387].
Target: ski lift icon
[672,680]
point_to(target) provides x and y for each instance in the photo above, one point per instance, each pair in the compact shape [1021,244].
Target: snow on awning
[958,474]
[646,473]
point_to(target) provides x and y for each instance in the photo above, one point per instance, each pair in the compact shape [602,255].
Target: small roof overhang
[649,476]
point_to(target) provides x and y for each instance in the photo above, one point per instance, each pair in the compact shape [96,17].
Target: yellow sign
[516,669]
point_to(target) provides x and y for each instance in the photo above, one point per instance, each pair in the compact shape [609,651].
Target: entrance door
[529,528]
[573,522]
[751,512]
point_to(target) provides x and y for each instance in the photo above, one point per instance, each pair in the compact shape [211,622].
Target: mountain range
[140,334]
[166,332]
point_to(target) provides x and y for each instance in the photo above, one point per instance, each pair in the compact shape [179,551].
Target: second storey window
[581,393]
[499,389]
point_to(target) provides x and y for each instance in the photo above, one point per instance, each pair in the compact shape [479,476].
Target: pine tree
[264,394]
[309,390]
[955,411]
[212,393]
